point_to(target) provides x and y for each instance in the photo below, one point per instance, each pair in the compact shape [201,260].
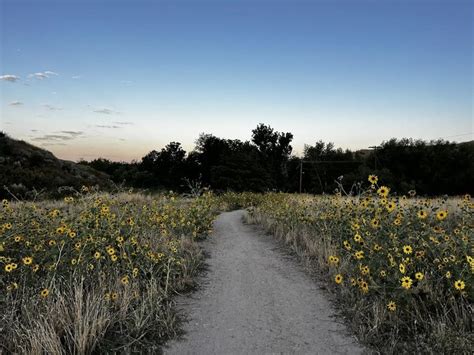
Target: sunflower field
[96,272]
[401,267]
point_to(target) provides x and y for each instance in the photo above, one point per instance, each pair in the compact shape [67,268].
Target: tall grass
[97,272]
[403,278]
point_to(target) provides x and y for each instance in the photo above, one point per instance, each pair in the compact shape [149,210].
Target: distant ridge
[24,167]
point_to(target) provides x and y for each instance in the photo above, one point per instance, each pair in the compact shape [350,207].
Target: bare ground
[254,300]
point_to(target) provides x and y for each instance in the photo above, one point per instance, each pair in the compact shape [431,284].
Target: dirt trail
[254,300]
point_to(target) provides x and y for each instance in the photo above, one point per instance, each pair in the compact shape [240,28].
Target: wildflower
[392,306]
[347,245]
[391,206]
[419,276]
[440,215]
[9,268]
[97,255]
[383,191]
[373,179]
[364,286]
[422,214]
[124,280]
[365,270]
[359,255]
[407,249]
[113,258]
[459,285]
[402,268]
[375,223]
[448,274]
[338,279]
[358,238]
[333,260]
[383,273]
[406,282]
[28,260]
[113,296]
[44,293]
[397,221]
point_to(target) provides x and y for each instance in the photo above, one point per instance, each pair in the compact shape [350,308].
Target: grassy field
[96,272]
[401,268]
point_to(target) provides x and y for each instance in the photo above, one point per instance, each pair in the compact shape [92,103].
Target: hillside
[24,167]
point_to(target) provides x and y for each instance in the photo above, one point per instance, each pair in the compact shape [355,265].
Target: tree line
[266,163]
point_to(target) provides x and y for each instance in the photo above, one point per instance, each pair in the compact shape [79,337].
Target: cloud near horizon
[15,103]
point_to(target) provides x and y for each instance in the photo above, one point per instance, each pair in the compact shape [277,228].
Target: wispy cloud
[63,136]
[51,107]
[108,126]
[75,77]
[72,133]
[43,75]
[9,77]
[52,137]
[106,111]
[15,103]
[123,123]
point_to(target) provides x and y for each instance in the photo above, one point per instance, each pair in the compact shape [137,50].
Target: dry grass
[431,315]
[97,272]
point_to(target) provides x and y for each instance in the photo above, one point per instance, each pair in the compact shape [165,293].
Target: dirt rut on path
[254,300]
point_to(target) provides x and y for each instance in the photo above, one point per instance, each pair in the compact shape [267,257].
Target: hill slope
[24,167]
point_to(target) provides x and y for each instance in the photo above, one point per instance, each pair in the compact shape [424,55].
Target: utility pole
[301,174]
[375,155]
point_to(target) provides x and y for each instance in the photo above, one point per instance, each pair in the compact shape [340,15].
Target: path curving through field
[256,300]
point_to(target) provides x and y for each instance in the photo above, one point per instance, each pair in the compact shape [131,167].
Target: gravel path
[254,300]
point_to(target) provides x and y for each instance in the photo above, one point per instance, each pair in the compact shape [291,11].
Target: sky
[116,79]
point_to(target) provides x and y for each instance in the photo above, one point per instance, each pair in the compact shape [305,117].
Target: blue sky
[119,78]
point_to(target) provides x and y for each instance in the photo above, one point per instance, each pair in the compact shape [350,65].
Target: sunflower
[422,214]
[359,255]
[8,268]
[97,255]
[383,191]
[338,279]
[459,285]
[407,249]
[347,245]
[406,282]
[373,179]
[375,223]
[402,268]
[440,215]
[124,280]
[28,260]
[392,306]
[364,286]
[419,276]
[358,238]
[391,206]
[44,293]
